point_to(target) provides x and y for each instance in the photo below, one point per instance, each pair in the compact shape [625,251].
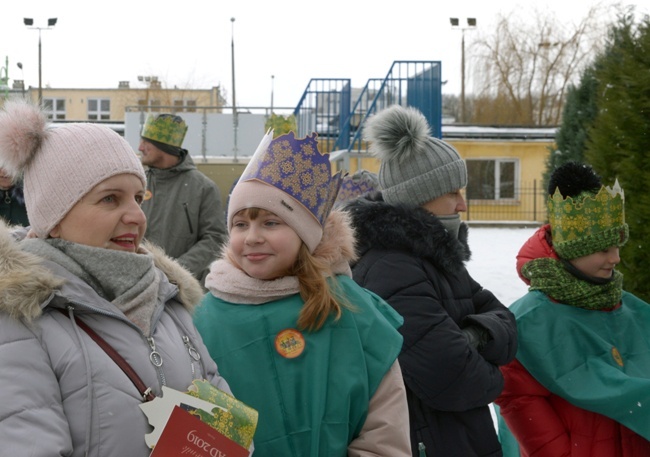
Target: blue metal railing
[325,105]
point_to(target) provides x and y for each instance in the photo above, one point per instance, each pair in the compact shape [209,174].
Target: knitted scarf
[230,283]
[129,281]
[552,277]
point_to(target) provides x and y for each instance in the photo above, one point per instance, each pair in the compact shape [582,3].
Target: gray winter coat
[61,395]
[184,215]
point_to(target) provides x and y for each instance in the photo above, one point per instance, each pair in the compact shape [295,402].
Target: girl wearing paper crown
[313,352]
[580,384]
[85,270]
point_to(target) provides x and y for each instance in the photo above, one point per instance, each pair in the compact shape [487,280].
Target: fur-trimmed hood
[380,225]
[338,243]
[26,284]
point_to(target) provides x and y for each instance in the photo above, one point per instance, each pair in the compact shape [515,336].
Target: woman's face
[599,264]
[109,216]
[448,204]
[265,247]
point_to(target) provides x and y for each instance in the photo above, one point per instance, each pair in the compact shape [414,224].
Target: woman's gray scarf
[129,281]
[451,224]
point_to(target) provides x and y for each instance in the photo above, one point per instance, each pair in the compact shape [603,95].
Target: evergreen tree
[577,117]
[618,144]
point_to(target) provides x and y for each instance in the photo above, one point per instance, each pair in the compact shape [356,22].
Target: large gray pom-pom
[396,132]
[22,130]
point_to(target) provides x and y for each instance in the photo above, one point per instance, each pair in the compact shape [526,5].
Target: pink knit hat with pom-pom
[60,164]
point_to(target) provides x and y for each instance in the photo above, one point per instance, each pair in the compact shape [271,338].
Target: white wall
[214,139]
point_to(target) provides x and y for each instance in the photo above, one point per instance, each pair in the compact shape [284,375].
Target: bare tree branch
[523,69]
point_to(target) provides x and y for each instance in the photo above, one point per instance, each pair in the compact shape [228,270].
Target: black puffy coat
[12,206]
[407,257]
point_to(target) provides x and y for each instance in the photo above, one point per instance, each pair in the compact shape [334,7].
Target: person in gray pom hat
[412,250]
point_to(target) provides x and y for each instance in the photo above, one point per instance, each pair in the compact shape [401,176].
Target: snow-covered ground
[494,252]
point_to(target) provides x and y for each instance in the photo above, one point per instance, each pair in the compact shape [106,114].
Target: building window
[99,109]
[54,108]
[152,104]
[189,106]
[491,179]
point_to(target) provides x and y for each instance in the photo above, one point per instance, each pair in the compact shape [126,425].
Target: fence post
[535,200]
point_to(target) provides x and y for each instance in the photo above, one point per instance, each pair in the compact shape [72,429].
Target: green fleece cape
[316,403]
[596,360]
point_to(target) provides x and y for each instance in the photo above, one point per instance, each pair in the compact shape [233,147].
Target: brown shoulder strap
[147,394]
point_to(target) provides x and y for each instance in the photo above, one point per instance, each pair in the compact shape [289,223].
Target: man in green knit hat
[182,205]
[580,383]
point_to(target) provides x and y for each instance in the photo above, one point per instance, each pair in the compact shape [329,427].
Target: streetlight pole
[471,24]
[272,81]
[28,21]
[235,122]
[4,80]
[20,65]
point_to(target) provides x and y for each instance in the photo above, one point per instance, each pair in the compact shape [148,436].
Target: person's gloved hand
[477,337]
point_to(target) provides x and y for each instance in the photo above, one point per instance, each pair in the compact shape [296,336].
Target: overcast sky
[188,43]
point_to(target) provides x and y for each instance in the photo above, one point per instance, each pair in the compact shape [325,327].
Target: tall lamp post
[235,121]
[272,84]
[4,80]
[20,65]
[455,24]
[29,22]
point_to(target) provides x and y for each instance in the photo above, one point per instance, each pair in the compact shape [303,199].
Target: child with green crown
[580,383]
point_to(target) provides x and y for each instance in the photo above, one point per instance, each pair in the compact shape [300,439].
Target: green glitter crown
[587,223]
[165,128]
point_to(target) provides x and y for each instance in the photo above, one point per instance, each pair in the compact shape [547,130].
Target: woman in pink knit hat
[86,269]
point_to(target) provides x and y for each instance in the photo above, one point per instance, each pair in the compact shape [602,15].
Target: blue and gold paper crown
[587,223]
[298,168]
[165,128]
[356,185]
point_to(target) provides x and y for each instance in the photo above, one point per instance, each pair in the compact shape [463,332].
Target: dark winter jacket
[184,215]
[408,258]
[12,206]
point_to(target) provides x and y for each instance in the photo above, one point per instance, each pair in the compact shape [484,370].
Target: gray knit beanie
[415,167]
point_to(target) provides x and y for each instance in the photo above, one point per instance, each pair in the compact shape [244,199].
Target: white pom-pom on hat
[22,130]
[59,164]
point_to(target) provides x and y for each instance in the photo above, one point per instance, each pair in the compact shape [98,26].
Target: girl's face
[263,245]
[109,216]
[599,264]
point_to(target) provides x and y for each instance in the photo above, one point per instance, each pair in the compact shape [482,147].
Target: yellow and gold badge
[617,357]
[290,343]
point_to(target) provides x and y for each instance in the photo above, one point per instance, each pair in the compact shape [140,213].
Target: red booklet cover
[185,434]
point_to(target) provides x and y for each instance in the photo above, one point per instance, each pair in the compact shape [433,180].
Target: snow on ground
[494,252]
